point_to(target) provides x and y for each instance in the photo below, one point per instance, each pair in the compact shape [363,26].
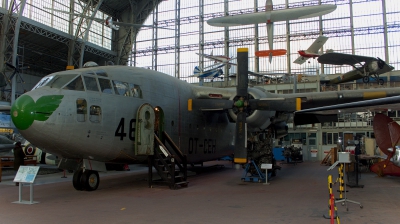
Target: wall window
[81,109]
[329,138]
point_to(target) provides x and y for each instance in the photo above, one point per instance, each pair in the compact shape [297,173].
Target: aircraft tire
[76,181]
[90,180]
[366,79]
[380,81]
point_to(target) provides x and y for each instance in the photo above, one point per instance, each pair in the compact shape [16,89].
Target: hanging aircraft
[270,16]
[108,21]
[218,58]
[274,77]
[312,51]
[90,116]
[367,67]
[212,71]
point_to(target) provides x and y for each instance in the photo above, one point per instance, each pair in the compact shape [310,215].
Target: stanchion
[64,175]
[331,202]
[341,181]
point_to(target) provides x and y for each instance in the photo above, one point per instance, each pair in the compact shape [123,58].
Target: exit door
[145,118]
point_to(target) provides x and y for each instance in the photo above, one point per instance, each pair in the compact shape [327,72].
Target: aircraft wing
[300,60]
[317,44]
[343,59]
[215,58]
[138,25]
[278,15]
[329,113]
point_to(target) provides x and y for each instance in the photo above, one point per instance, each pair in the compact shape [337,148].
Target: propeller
[243,104]
[381,63]
[16,69]
[240,151]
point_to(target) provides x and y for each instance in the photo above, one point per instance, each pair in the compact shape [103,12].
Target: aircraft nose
[22,113]
[25,110]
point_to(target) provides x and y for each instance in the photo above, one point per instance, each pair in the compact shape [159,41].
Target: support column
[201,37]
[128,35]
[256,43]
[226,43]
[9,39]
[155,36]
[177,39]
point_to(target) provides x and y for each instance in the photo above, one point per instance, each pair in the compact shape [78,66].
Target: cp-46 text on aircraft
[364,67]
[90,116]
[312,51]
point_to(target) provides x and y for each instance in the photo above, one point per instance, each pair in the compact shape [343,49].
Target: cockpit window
[101,73]
[43,82]
[91,83]
[105,86]
[76,84]
[135,90]
[60,80]
[90,73]
[121,88]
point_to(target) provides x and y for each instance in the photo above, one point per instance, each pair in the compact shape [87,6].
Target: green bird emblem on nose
[24,111]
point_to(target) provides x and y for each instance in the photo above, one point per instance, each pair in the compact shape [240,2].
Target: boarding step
[170,163]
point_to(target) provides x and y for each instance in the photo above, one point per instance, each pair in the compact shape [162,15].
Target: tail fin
[196,71]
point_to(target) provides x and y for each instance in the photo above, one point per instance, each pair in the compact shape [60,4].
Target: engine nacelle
[373,66]
[256,119]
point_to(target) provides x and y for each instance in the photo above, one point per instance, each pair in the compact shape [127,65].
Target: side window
[91,83]
[121,88]
[76,84]
[95,114]
[135,90]
[105,86]
[81,109]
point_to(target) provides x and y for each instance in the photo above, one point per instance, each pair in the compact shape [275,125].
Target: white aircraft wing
[138,25]
[317,44]
[278,15]
[300,60]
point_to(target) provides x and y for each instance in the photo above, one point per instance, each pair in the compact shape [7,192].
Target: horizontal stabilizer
[300,60]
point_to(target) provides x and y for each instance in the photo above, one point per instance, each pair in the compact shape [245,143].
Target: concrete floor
[299,194]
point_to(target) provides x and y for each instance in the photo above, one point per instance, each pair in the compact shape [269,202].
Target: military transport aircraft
[367,67]
[312,51]
[90,116]
[270,16]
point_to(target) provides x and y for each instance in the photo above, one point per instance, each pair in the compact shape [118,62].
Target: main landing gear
[379,81]
[88,180]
